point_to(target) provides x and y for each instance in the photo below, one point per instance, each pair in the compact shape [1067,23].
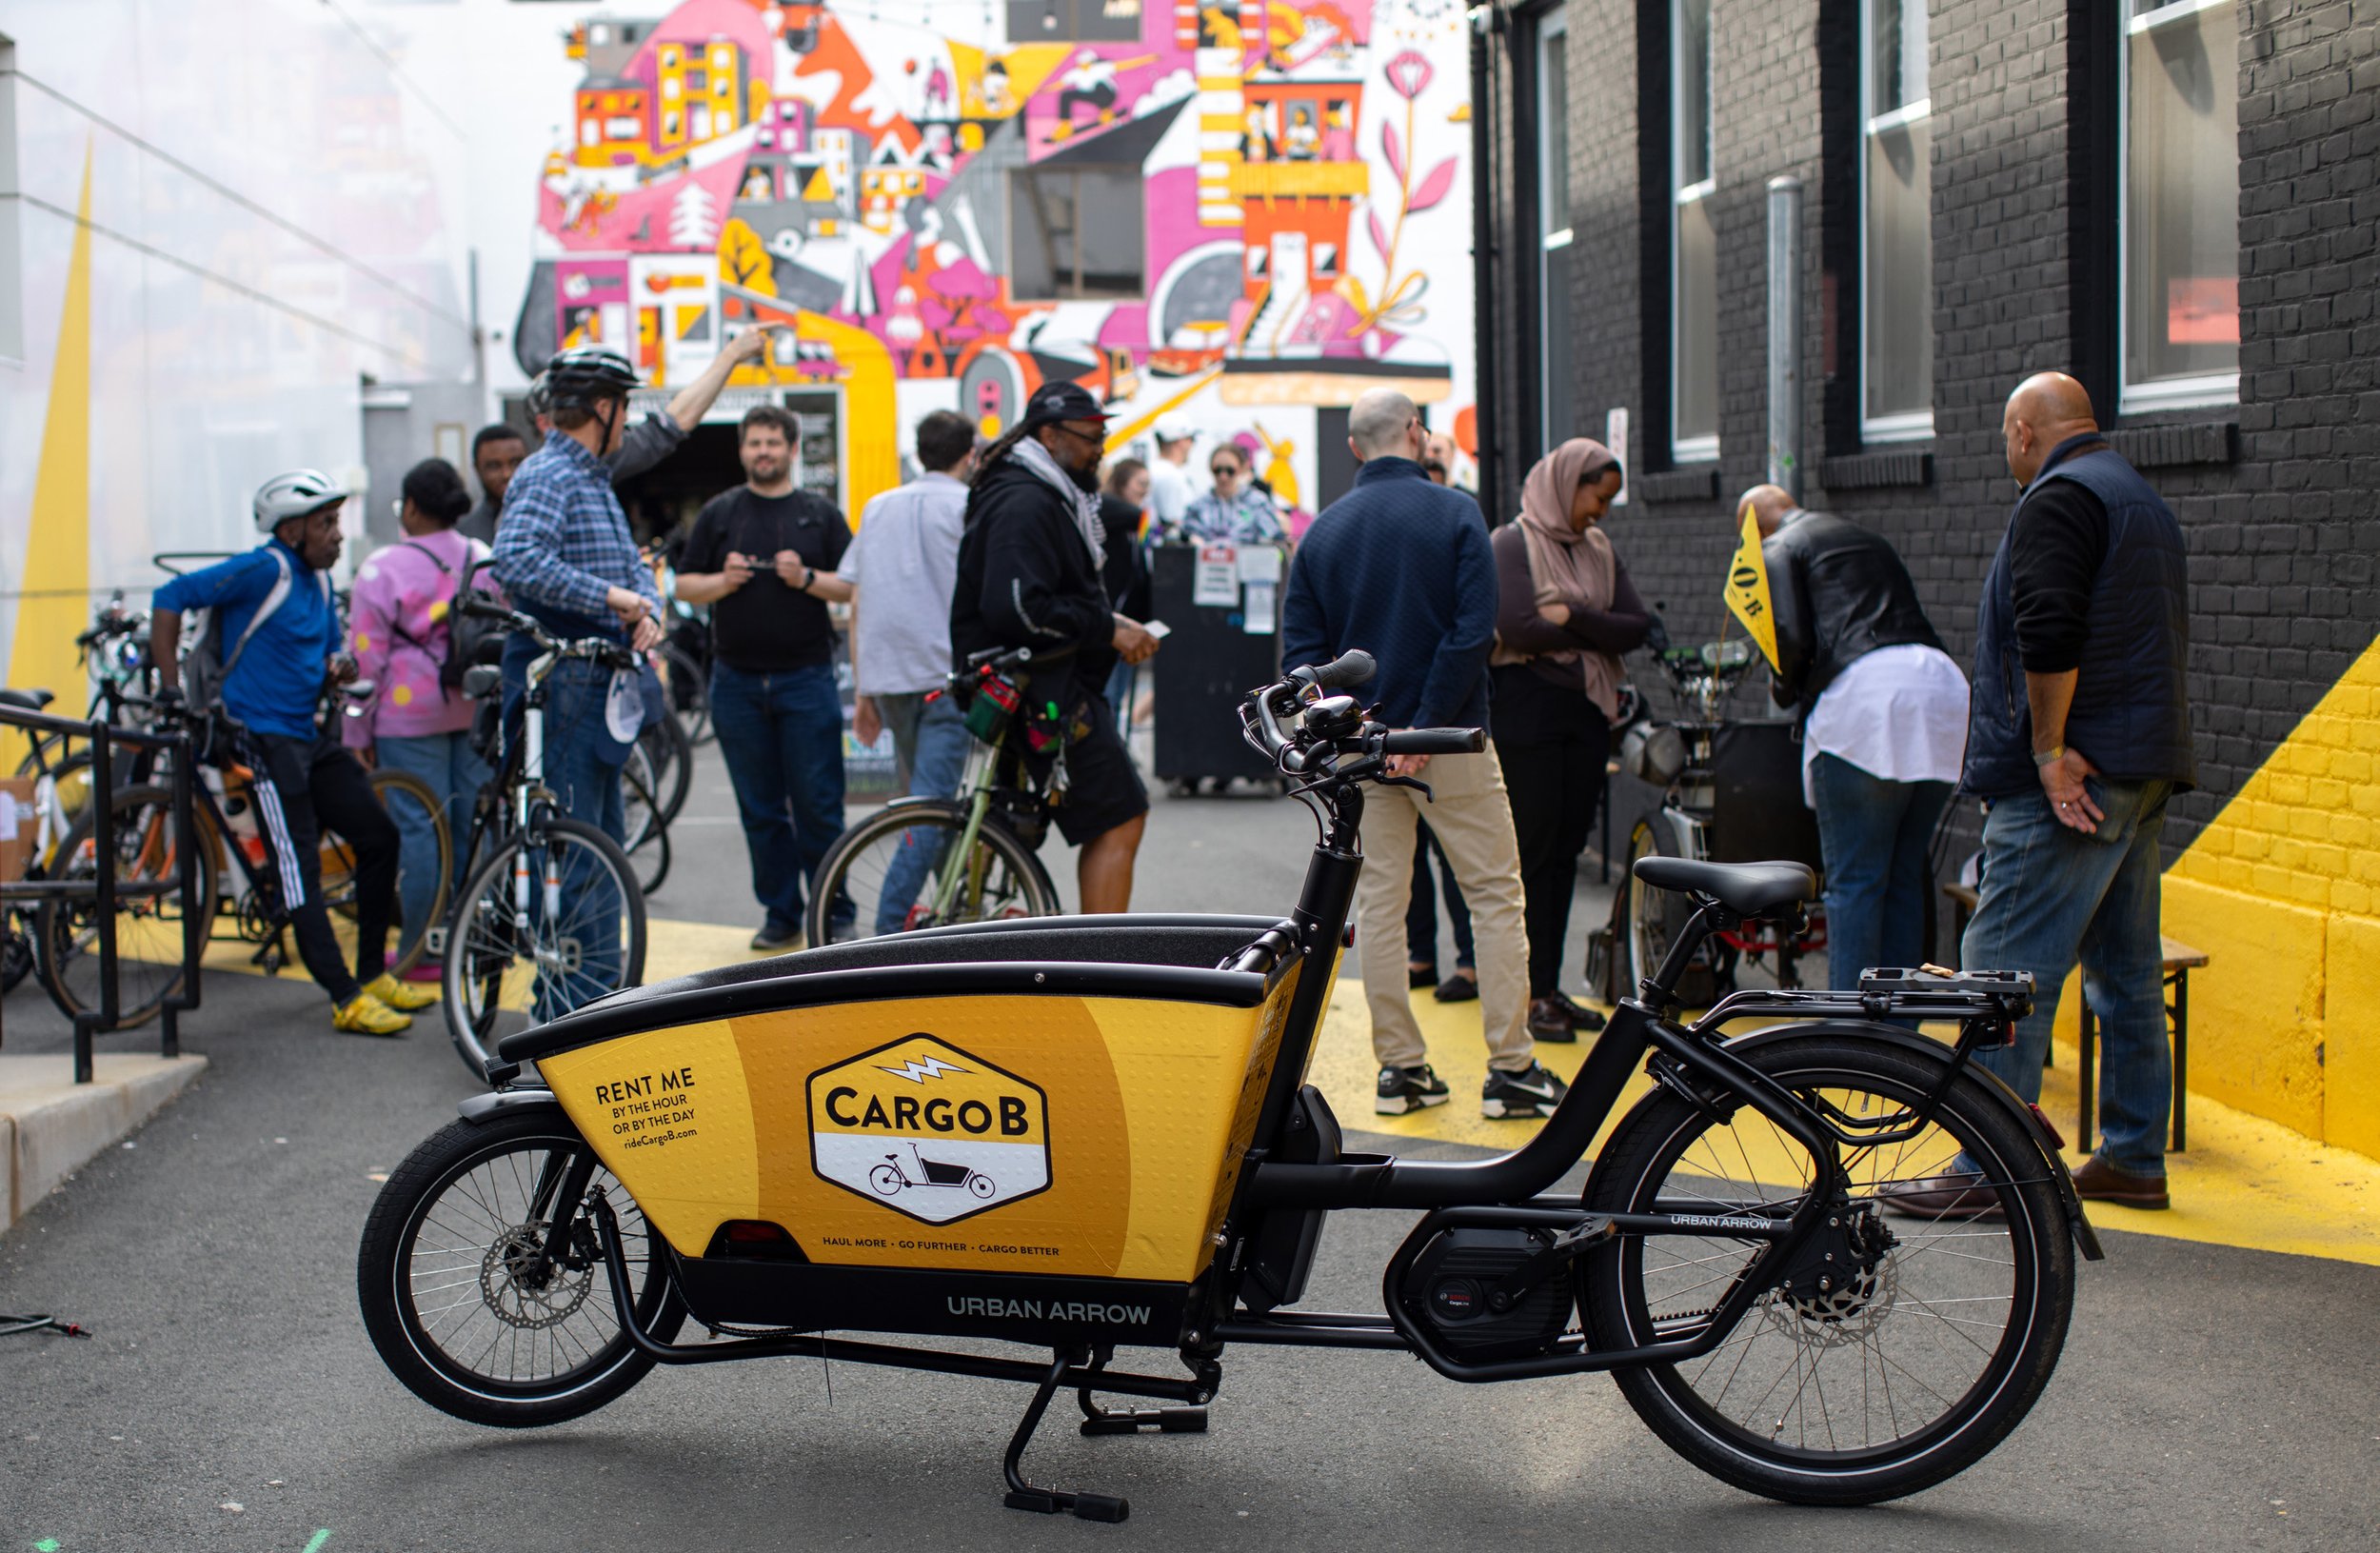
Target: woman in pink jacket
[397,619]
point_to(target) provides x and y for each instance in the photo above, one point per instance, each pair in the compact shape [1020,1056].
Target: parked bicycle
[928,861]
[1730,1259]
[238,869]
[550,916]
[1731,792]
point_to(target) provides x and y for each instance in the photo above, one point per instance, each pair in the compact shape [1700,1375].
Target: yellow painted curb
[2244,1182]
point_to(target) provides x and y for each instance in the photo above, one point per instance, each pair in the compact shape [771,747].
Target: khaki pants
[1474,822]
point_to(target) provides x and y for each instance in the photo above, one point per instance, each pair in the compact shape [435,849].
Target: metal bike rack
[104,889]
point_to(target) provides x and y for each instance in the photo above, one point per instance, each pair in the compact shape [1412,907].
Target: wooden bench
[2180,960]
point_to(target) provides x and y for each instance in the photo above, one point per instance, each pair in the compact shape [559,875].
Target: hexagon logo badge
[929,1130]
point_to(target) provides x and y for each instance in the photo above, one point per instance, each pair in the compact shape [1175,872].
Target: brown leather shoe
[1941,1197]
[2099,1181]
[1549,1022]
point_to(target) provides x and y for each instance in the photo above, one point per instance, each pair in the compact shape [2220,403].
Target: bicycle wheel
[1655,916]
[1898,1363]
[550,922]
[148,927]
[887,874]
[418,813]
[445,1276]
[690,692]
[672,754]
[649,833]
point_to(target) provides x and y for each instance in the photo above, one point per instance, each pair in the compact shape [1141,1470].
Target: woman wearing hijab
[1567,613]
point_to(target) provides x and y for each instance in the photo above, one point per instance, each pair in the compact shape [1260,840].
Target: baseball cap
[1176,431]
[1061,402]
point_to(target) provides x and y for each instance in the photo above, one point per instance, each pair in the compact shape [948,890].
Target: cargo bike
[1142,1165]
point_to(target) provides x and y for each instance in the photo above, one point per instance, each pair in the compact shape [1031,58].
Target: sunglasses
[1222,471]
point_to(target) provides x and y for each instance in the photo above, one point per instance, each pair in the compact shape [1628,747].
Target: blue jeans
[1873,834]
[453,770]
[1121,680]
[933,743]
[583,764]
[2052,896]
[1421,910]
[782,736]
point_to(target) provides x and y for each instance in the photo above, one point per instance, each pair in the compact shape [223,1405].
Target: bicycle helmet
[585,376]
[294,495]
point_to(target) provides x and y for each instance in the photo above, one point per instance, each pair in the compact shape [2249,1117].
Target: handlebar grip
[1350,669]
[480,607]
[1435,742]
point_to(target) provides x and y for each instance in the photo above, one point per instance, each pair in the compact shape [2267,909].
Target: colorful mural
[1201,209]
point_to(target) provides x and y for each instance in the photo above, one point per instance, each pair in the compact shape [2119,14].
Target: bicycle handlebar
[1434,742]
[1350,669]
[598,649]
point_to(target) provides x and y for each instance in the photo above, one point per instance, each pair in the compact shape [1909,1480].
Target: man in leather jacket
[1884,722]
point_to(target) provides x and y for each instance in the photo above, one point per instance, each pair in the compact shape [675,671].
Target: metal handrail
[104,890]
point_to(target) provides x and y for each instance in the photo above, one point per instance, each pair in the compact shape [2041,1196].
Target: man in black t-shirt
[764,556]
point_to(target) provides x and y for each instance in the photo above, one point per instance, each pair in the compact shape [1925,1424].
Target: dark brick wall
[2280,513]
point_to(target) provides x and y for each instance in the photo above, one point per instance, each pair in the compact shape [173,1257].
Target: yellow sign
[1748,590]
[929,1130]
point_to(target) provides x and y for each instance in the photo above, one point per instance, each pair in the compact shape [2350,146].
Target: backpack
[469,640]
[208,667]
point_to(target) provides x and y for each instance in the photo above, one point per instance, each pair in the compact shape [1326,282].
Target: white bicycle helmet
[294,495]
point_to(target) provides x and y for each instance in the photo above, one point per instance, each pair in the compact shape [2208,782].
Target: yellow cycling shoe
[402,996]
[367,1015]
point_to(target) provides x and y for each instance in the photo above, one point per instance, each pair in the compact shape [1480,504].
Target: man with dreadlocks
[1029,571]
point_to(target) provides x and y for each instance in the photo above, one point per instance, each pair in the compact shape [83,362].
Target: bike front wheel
[1894,1352]
[904,867]
[148,928]
[427,845]
[550,921]
[459,1303]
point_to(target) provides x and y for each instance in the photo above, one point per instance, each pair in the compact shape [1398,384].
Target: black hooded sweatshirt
[1026,578]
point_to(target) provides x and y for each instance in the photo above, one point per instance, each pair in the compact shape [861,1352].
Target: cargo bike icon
[891,1179]
[1171,1172]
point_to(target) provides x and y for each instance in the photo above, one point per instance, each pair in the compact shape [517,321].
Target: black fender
[2026,1114]
[481,1109]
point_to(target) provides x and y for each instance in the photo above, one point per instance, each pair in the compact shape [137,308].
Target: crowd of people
[2075,734]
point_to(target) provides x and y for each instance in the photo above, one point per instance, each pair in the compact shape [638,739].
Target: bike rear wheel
[148,927]
[1655,916]
[672,753]
[649,833]
[1898,1363]
[689,689]
[886,875]
[454,1300]
[550,921]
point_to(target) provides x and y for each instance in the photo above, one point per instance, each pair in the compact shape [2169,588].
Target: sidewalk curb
[52,1126]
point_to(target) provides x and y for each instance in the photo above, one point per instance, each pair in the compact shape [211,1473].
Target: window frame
[2210,391]
[1703,448]
[1553,24]
[1906,426]
[1074,174]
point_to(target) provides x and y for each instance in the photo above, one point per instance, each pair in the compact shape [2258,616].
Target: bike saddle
[31,701]
[1748,889]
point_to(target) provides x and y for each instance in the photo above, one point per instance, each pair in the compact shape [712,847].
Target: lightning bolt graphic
[918,1069]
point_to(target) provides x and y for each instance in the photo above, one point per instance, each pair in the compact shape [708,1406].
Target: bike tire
[392,788]
[672,754]
[422,1199]
[1690,1160]
[485,941]
[689,687]
[1655,916]
[148,928]
[649,833]
[1021,886]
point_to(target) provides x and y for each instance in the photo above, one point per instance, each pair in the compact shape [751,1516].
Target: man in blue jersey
[279,633]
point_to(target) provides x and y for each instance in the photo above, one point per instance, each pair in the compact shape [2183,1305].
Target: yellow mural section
[56,599]
[2282,888]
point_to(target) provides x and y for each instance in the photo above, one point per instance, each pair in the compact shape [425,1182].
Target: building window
[1074,21]
[1694,243]
[2181,230]
[1076,232]
[1896,232]
[1554,250]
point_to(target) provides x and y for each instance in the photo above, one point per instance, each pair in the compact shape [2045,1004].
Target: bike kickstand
[1023,1495]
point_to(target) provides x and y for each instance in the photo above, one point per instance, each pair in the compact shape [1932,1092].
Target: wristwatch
[2049,757]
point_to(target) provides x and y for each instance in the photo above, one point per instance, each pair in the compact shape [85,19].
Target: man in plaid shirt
[566,558]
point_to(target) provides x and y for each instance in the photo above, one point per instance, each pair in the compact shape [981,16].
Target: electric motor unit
[1453,1291]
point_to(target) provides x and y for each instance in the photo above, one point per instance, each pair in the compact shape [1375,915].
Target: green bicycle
[930,862]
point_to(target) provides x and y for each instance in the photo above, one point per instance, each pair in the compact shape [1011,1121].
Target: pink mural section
[1234,199]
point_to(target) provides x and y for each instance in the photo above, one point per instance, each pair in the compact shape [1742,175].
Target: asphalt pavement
[2210,1398]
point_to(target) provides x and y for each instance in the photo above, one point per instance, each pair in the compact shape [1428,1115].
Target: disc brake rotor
[514,1298]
